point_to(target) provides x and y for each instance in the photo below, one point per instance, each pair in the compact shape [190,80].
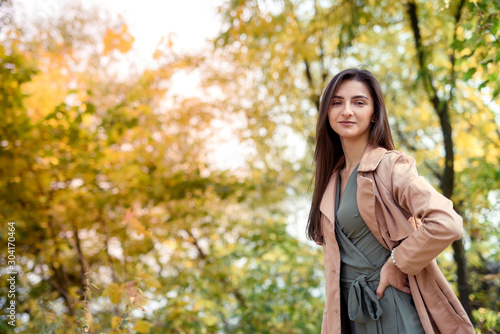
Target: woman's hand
[391,275]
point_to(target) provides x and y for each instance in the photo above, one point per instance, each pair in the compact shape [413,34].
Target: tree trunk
[447,177]
[463,287]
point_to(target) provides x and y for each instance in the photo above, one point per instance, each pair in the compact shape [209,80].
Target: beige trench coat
[400,208]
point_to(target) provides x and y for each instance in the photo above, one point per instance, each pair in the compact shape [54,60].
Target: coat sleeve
[441,225]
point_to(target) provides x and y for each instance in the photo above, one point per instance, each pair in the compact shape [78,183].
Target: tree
[111,175]
[123,222]
[299,44]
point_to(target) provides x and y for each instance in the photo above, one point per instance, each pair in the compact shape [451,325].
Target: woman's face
[351,111]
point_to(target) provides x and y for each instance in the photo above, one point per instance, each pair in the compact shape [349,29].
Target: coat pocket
[449,302]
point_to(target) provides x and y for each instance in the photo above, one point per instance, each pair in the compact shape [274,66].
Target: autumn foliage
[128,220]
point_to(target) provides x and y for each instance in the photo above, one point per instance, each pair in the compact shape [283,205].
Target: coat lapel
[366,189]
[369,162]
[327,205]
[366,196]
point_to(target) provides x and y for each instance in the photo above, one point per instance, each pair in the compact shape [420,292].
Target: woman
[380,224]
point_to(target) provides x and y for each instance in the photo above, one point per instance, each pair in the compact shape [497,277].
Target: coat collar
[369,162]
[371,158]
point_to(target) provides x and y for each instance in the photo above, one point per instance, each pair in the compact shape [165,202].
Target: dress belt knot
[361,295]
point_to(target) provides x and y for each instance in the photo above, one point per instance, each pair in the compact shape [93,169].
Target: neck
[353,151]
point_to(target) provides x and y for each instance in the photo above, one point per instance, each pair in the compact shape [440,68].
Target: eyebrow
[354,97]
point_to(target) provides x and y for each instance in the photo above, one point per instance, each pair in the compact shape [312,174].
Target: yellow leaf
[210,320]
[114,292]
[152,282]
[115,321]
[73,291]
[135,224]
[121,40]
[142,326]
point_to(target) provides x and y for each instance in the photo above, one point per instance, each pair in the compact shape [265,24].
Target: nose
[346,111]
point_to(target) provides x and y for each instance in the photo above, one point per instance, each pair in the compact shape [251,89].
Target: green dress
[362,256]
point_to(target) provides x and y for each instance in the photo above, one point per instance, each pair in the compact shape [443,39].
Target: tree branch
[58,283]
[105,231]
[453,49]
[440,106]
[315,99]
[224,280]
[195,243]
[404,140]
[421,55]
[489,26]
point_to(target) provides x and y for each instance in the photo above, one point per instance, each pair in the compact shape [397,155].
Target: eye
[336,103]
[359,102]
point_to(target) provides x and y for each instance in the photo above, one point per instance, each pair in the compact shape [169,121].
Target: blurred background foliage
[125,222]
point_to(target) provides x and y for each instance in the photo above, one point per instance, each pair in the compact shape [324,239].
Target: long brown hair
[328,152]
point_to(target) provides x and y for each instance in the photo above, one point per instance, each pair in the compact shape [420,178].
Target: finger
[404,288]
[381,288]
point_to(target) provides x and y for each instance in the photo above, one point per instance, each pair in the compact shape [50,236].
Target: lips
[347,123]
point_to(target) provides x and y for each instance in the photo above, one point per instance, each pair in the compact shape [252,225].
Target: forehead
[352,88]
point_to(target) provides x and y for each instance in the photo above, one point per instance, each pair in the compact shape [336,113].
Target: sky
[191,21]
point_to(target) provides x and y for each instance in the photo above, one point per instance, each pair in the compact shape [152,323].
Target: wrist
[392,258]
[389,263]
